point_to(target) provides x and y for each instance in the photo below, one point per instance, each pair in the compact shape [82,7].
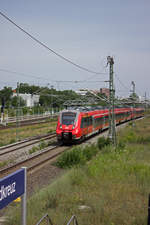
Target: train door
[84,126]
[90,125]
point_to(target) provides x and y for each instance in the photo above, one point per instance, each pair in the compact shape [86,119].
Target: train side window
[85,122]
[82,122]
[106,119]
[94,122]
[101,120]
[90,120]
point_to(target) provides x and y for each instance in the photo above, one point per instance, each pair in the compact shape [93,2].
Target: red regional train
[77,124]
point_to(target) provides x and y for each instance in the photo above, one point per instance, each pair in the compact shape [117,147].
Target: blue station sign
[11,187]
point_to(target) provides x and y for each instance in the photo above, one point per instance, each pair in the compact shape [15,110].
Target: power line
[38,77]
[21,74]
[78,81]
[121,82]
[45,46]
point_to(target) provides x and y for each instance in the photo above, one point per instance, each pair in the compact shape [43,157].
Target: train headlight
[60,126]
[73,126]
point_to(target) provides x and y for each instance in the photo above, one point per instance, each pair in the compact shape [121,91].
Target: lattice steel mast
[112,125]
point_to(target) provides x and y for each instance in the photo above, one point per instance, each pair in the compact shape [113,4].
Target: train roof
[95,108]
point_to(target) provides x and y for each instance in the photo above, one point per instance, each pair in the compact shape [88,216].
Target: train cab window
[68,118]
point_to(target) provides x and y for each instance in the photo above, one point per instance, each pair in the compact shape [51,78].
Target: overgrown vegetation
[113,187]
[79,155]
[3,163]
[42,145]
[8,136]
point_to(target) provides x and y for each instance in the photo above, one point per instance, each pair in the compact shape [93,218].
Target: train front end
[68,127]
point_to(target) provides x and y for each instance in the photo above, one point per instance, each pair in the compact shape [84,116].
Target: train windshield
[68,118]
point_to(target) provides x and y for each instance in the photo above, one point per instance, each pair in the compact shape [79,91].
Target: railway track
[25,143]
[35,160]
[25,122]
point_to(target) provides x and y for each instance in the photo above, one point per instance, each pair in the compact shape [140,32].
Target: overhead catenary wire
[38,77]
[21,74]
[123,85]
[121,82]
[45,46]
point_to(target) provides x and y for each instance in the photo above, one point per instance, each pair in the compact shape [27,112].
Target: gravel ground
[42,177]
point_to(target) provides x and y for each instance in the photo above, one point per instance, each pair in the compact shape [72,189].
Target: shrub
[102,141]
[76,156]
[71,158]
[90,151]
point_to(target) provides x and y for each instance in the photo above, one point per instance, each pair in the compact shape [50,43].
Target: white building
[31,100]
[81,92]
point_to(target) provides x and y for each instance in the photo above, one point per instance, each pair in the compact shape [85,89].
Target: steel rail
[26,140]
[32,157]
[26,144]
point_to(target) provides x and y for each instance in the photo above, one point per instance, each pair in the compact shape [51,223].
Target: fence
[48,221]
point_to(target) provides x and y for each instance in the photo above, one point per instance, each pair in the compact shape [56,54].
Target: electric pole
[133,99]
[133,90]
[52,99]
[145,100]
[112,125]
[17,112]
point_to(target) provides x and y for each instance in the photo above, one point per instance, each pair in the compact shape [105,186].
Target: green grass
[42,145]
[8,136]
[114,185]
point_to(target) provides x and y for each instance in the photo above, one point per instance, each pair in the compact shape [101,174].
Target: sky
[83,31]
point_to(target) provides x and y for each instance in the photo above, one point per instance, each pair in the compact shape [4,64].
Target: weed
[102,141]
[13,140]
[4,163]
[33,149]
[42,145]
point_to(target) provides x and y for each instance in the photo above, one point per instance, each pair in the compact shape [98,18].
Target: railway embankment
[102,184]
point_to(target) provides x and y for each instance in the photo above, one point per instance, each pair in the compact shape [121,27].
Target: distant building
[31,100]
[105,91]
[81,92]
[95,91]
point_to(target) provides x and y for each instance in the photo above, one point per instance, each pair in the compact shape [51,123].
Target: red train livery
[78,124]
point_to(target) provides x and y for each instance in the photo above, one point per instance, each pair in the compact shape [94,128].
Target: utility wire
[21,74]
[124,85]
[121,82]
[45,46]
[38,77]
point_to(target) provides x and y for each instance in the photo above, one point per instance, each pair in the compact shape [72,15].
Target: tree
[28,89]
[134,97]
[14,101]
[5,95]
